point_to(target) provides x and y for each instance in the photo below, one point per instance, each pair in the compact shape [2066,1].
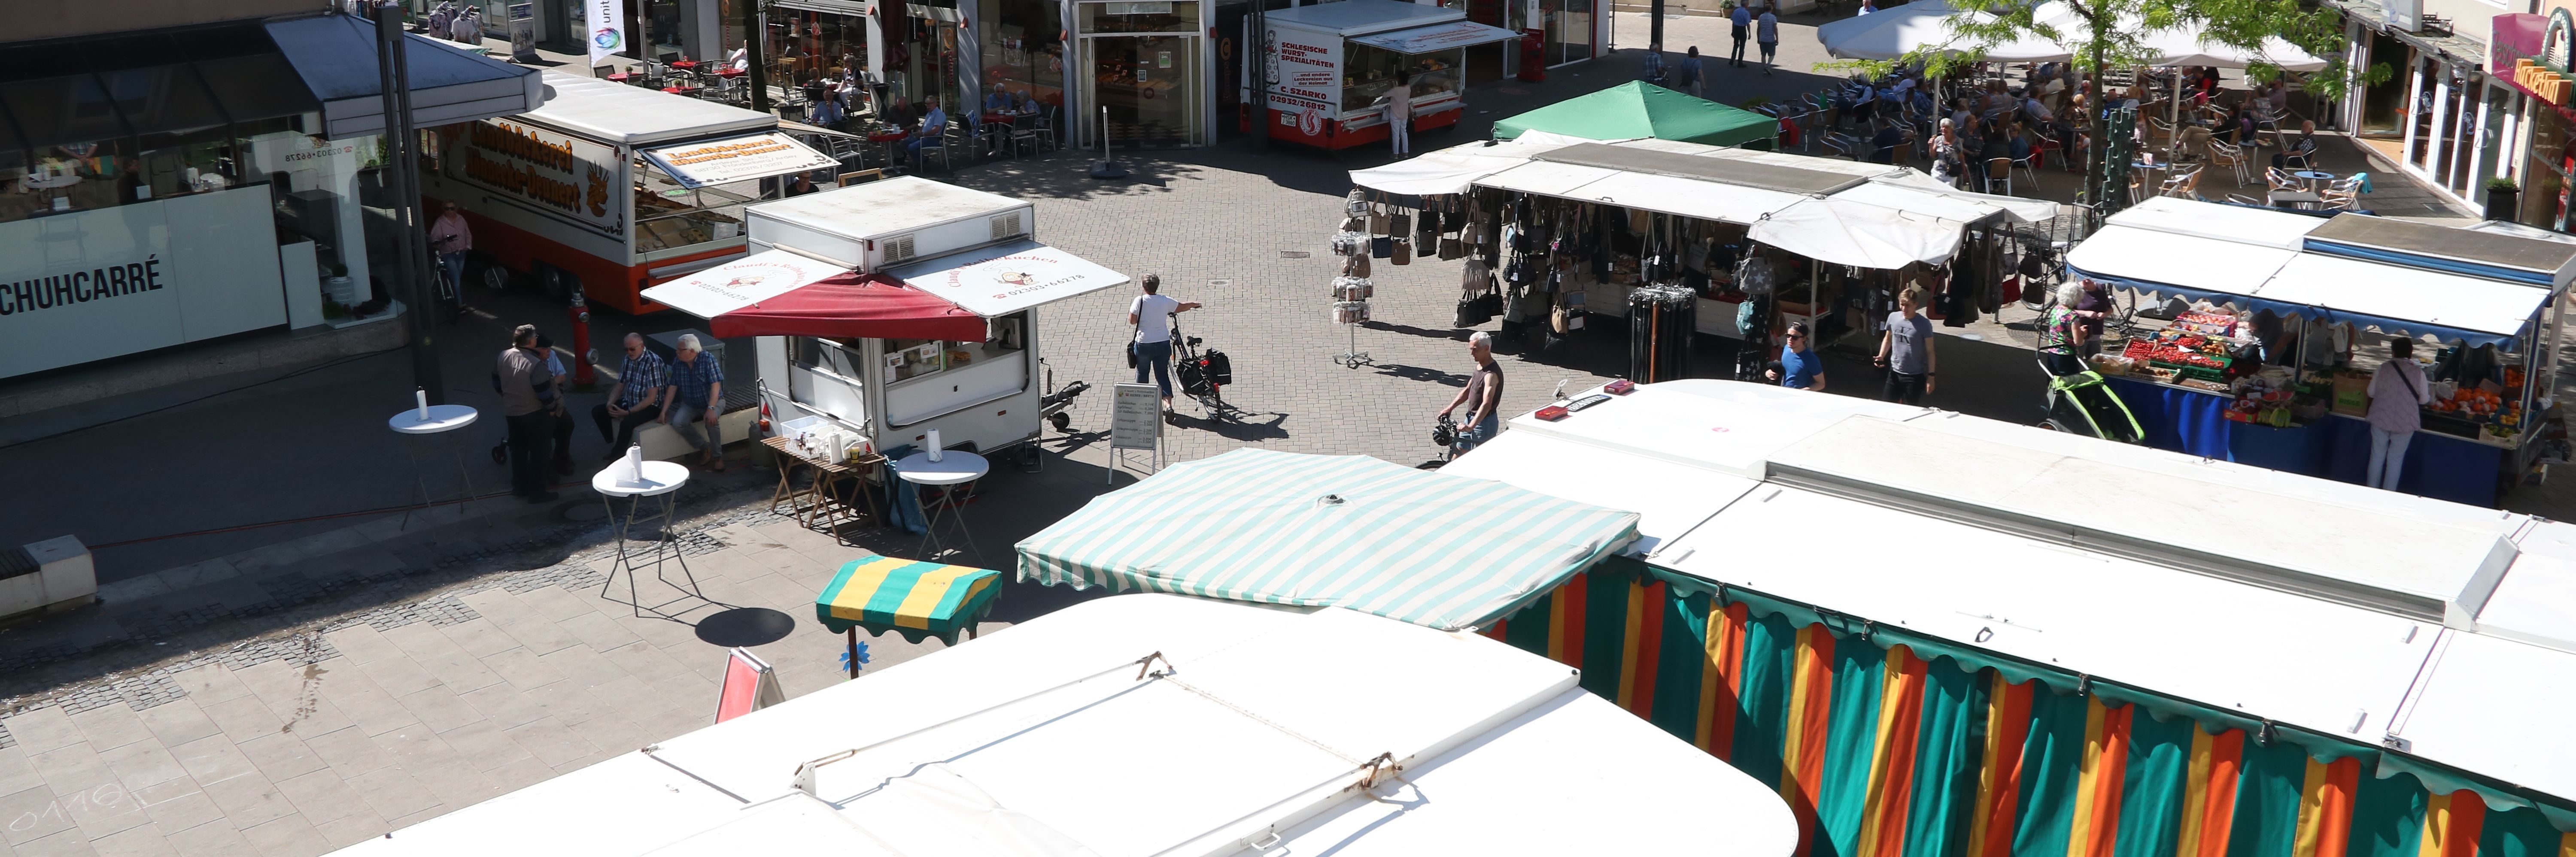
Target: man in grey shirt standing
[528,394]
[1906,350]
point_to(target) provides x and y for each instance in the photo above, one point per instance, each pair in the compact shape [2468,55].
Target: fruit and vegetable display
[2181,350]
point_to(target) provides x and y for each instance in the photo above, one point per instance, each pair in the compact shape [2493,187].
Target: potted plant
[2502,197]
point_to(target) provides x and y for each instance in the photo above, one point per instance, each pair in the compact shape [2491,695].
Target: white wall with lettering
[90,285]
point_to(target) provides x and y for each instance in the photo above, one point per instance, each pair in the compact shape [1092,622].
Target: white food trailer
[893,308]
[1329,67]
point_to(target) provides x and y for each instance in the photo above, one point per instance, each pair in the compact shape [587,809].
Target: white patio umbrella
[1858,234]
[1893,33]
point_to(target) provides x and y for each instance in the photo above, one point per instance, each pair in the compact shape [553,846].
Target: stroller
[2082,403]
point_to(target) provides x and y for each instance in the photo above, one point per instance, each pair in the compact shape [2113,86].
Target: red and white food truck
[610,188]
[1329,66]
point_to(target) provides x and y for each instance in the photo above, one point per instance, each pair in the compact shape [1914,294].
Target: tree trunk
[2097,174]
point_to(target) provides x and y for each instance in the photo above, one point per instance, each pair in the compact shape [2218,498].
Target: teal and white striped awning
[1448,552]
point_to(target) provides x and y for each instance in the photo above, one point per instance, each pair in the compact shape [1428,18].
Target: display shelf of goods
[2207,323]
[1350,312]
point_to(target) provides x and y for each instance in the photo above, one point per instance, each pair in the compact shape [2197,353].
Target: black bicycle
[1201,375]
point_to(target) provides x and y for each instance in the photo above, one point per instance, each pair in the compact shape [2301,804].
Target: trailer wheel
[495,277]
[1062,421]
[557,282]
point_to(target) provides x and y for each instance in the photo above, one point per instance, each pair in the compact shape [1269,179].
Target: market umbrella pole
[854,651]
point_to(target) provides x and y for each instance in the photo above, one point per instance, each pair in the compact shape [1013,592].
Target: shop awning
[777,293]
[2401,300]
[1341,531]
[2477,253]
[915,599]
[1438,37]
[733,159]
[336,57]
[1007,278]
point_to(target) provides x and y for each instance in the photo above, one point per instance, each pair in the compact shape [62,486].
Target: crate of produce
[2451,425]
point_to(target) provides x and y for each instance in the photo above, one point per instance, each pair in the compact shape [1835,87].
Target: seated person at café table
[933,124]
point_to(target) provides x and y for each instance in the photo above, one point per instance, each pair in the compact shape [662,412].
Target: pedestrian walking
[634,401]
[1742,19]
[2397,397]
[696,396]
[1654,65]
[1800,366]
[1151,314]
[451,238]
[1399,116]
[1766,30]
[1483,395]
[528,395]
[1691,73]
[559,414]
[1906,351]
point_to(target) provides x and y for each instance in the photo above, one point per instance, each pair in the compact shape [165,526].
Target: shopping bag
[1381,247]
[1403,254]
[1452,248]
[1378,221]
[1400,227]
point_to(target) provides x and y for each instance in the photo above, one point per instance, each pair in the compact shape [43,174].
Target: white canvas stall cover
[2238,223]
[2019,209]
[2180,46]
[1455,169]
[2409,294]
[1853,233]
[2193,264]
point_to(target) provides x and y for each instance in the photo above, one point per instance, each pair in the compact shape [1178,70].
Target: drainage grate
[1220,283]
[1294,254]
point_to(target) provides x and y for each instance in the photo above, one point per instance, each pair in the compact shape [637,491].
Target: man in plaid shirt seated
[636,400]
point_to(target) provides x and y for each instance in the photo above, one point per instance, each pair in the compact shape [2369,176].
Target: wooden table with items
[827,501]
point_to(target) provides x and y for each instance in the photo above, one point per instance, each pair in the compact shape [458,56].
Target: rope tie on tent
[1145,664]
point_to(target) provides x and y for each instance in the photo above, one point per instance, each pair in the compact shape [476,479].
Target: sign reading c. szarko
[80,286]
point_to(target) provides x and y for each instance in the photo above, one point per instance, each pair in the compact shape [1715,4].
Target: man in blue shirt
[634,401]
[696,395]
[1691,75]
[1800,366]
[1654,64]
[1742,18]
[933,124]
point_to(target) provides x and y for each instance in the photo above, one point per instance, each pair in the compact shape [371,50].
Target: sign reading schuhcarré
[54,291]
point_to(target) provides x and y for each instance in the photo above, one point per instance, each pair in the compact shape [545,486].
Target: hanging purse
[1381,247]
[1378,220]
[1452,248]
[1426,230]
[1357,204]
[1400,226]
[1403,253]
[1355,266]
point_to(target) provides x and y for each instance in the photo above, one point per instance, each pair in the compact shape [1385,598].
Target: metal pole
[755,23]
[402,171]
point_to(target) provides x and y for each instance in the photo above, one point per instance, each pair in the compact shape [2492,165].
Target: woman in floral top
[2061,332]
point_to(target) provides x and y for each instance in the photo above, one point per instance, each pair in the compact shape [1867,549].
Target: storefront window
[805,45]
[669,217]
[661,29]
[1141,16]
[2544,173]
[1023,49]
[1369,71]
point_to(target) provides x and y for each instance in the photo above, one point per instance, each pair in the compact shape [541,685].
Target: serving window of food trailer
[1329,67]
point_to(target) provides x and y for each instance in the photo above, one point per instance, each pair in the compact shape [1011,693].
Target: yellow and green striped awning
[914,599]
[1350,531]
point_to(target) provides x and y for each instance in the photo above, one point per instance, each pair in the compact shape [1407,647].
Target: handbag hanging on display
[1381,247]
[1400,226]
[1402,253]
[1426,229]
[1378,220]
[1452,248]
[1355,266]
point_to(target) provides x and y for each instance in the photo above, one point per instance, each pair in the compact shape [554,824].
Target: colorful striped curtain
[1921,748]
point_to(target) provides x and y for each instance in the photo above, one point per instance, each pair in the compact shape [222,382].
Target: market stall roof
[1362,17]
[335,55]
[2376,615]
[1638,109]
[1342,531]
[1456,169]
[636,116]
[2477,253]
[2275,261]
[1154,724]
[1438,37]
[1746,173]
[1007,278]
[778,293]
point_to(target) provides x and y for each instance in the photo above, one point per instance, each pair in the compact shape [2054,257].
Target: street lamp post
[402,168]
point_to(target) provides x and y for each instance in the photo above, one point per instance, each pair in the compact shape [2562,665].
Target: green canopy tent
[1351,531]
[1637,109]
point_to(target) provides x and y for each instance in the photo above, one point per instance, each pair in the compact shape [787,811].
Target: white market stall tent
[2360,662]
[1155,724]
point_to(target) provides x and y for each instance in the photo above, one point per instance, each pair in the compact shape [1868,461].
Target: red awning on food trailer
[853,306]
[777,293]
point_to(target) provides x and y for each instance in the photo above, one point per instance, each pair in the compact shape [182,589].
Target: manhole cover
[1220,282]
[1294,254]
[745,626]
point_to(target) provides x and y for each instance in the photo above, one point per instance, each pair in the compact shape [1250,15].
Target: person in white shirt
[1399,118]
[1151,313]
